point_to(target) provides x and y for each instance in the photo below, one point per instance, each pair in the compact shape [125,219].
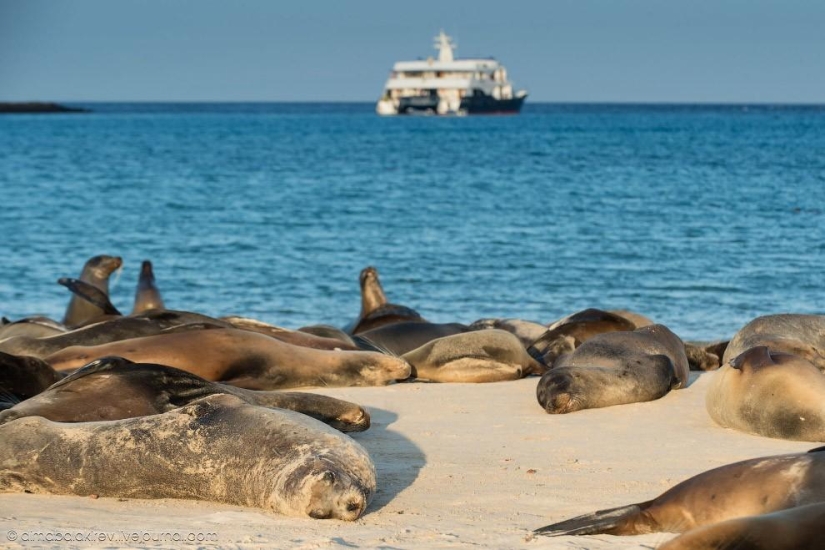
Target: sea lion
[328,331]
[23,377]
[637,319]
[798,528]
[568,333]
[245,359]
[400,338]
[113,388]
[376,310]
[802,335]
[295,337]
[615,368]
[769,393]
[96,272]
[32,327]
[147,323]
[747,488]
[479,356]
[217,448]
[526,331]
[147,295]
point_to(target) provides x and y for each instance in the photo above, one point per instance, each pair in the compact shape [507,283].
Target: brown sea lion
[798,528]
[568,333]
[615,368]
[113,388]
[217,448]
[748,488]
[376,310]
[526,331]
[117,328]
[802,335]
[147,295]
[400,338]
[771,394]
[295,337]
[479,356]
[32,327]
[244,359]
[22,378]
[96,272]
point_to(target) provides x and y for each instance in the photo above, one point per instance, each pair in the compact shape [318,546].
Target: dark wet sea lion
[32,327]
[216,449]
[400,338]
[245,359]
[295,337]
[526,331]
[568,333]
[798,528]
[478,356]
[770,394]
[96,272]
[802,335]
[615,368]
[147,323]
[113,388]
[376,310]
[147,295]
[22,378]
[747,488]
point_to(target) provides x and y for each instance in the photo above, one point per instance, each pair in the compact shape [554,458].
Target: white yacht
[449,86]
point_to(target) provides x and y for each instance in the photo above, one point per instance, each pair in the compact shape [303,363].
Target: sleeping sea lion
[217,448]
[769,393]
[615,368]
[113,388]
[747,488]
[244,359]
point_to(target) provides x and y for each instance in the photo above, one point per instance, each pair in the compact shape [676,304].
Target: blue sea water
[700,217]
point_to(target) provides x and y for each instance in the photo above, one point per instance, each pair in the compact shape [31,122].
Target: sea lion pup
[32,327]
[771,394]
[112,388]
[147,295]
[96,272]
[22,378]
[217,449]
[615,368]
[526,331]
[479,356]
[798,528]
[376,311]
[119,328]
[748,488]
[400,338]
[244,359]
[295,337]
[802,335]
[568,333]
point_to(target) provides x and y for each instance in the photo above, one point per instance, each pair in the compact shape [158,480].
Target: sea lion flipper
[90,293]
[817,450]
[8,399]
[609,521]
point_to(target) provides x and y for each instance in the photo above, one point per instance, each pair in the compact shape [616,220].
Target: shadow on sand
[397,459]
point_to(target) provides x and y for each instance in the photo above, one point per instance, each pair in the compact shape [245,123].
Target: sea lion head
[100,267]
[559,391]
[370,368]
[372,294]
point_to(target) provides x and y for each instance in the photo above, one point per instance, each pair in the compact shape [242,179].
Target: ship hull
[486,105]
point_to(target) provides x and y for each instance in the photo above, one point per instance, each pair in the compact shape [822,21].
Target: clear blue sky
[327,50]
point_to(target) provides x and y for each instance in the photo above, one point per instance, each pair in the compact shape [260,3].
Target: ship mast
[444,44]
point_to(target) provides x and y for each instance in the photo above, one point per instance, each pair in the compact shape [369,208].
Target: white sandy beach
[459,466]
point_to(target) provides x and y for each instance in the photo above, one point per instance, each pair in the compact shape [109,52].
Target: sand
[459,466]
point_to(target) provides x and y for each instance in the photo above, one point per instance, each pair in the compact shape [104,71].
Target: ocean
[700,217]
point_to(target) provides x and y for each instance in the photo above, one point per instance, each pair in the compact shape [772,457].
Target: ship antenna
[445,45]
